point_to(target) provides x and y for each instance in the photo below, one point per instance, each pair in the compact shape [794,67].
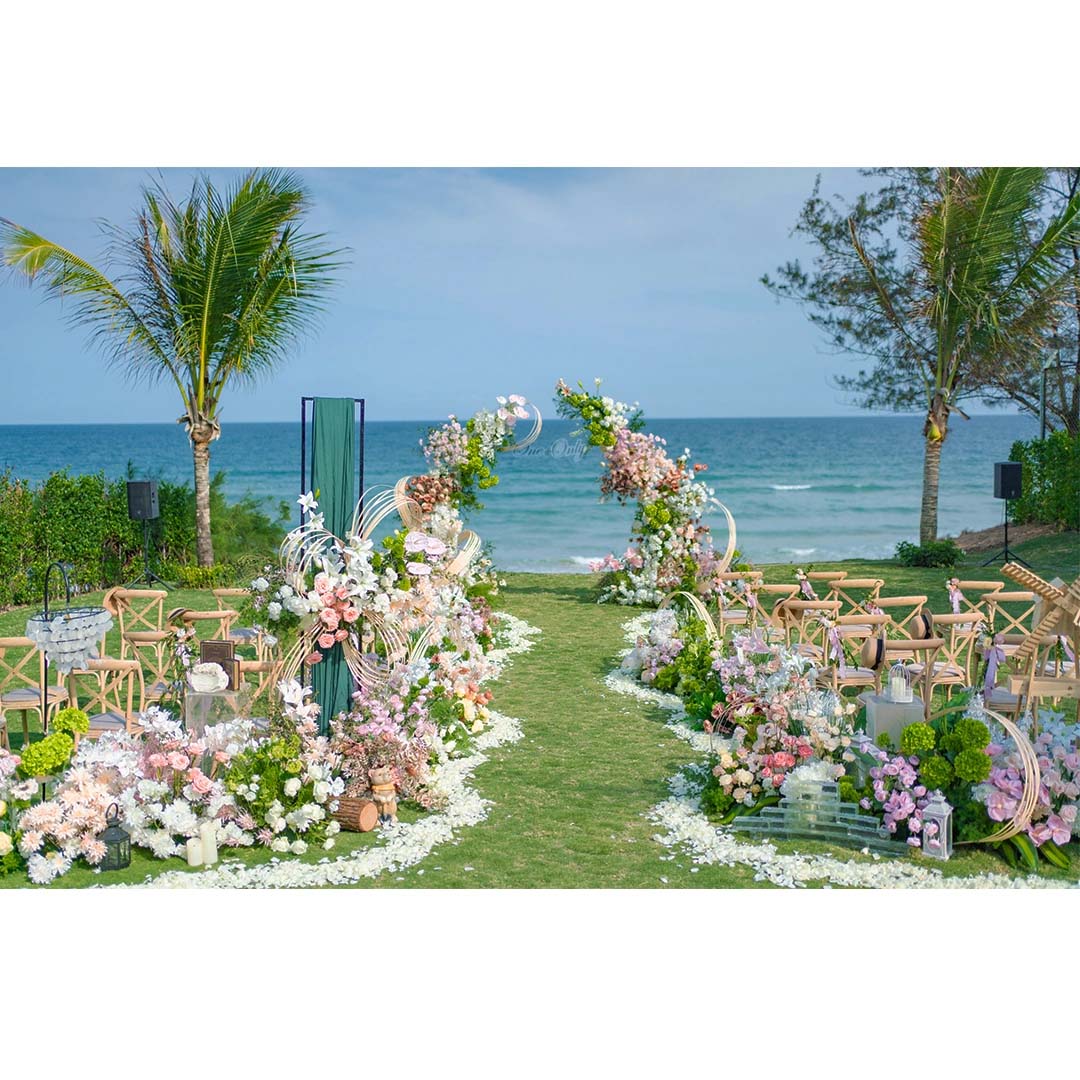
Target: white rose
[328,843]
[279,844]
[280,825]
[292,786]
[273,611]
[322,791]
[5,844]
[298,847]
[333,828]
[260,584]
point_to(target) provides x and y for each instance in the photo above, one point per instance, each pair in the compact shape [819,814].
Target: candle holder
[900,684]
[117,841]
[937,840]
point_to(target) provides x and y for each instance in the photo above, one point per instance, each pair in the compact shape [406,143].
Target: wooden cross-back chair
[903,612]
[140,614]
[858,595]
[1012,614]
[110,692]
[770,600]
[805,626]
[981,590]
[208,625]
[242,635]
[738,605]
[951,667]
[851,630]
[22,671]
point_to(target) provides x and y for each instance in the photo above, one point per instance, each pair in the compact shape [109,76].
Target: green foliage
[935,772]
[71,721]
[691,674]
[1051,480]
[917,739]
[47,756]
[83,521]
[971,734]
[971,766]
[933,553]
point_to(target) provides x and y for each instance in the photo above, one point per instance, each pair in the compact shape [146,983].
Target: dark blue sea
[800,489]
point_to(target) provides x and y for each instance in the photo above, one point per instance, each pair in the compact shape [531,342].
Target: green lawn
[570,799]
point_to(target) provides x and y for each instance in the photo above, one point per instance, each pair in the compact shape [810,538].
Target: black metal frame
[303,449]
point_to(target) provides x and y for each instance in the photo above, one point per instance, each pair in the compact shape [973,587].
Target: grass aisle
[570,799]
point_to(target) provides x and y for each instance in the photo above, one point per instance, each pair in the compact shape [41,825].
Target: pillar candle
[194,852]
[208,837]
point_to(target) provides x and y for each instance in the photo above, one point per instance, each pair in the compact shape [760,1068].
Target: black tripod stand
[1005,555]
[147,577]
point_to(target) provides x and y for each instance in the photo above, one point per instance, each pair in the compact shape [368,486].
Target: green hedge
[1051,480]
[82,520]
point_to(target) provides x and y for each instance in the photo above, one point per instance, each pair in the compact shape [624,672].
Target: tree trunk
[935,430]
[203,541]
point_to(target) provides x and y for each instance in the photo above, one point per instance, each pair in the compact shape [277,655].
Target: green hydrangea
[971,734]
[883,740]
[71,721]
[950,743]
[935,772]
[917,739]
[48,756]
[972,766]
[849,793]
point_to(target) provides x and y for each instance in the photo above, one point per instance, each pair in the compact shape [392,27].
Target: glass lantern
[117,841]
[937,828]
[899,684]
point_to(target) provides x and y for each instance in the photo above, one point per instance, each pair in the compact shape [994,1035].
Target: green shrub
[935,553]
[1051,480]
[917,739]
[83,522]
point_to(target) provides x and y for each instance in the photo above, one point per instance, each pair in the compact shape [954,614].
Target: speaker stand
[1005,555]
[147,577]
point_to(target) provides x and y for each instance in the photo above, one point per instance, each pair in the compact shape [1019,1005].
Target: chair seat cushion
[942,670]
[145,637]
[29,696]
[110,721]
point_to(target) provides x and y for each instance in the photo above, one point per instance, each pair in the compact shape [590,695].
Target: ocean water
[801,489]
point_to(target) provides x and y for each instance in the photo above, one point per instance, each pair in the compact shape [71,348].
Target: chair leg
[25,728]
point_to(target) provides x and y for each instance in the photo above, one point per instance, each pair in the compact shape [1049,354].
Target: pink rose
[221,757]
[313,658]
[350,614]
[340,635]
[157,761]
[178,761]
[322,583]
[200,781]
[342,592]
[326,641]
[329,618]
[196,749]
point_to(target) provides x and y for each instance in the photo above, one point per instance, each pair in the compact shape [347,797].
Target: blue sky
[463,284]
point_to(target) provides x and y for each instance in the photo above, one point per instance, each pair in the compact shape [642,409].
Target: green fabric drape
[333,468]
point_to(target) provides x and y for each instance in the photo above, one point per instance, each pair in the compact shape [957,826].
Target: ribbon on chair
[1067,648]
[805,587]
[994,657]
[836,650]
[956,597]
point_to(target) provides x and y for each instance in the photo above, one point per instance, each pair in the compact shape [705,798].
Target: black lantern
[117,841]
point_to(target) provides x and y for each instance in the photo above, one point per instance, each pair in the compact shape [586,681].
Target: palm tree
[208,292]
[943,277]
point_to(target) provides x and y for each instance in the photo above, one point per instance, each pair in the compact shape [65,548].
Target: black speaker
[1007,479]
[142,500]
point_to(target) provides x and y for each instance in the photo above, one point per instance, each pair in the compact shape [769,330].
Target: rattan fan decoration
[699,609]
[1032,777]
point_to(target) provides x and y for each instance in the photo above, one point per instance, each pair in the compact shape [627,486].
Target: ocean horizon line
[860,414]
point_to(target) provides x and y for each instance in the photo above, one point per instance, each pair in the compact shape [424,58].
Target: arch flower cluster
[672,547]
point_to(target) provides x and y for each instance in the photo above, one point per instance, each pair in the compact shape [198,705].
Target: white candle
[208,838]
[898,687]
[194,852]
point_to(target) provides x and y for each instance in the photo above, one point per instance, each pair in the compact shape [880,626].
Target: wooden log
[356,815]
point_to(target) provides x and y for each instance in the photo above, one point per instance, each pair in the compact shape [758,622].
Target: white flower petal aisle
[685,826]
[400,846]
